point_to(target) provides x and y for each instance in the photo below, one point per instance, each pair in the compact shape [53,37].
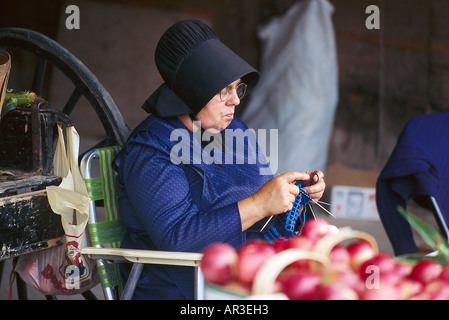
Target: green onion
[13,100]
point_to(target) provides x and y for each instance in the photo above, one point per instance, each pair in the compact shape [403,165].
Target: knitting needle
[322,202]
[313,212]
[319,205]
[266,223]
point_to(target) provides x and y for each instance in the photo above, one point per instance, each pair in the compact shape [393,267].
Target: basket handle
[327,243]
[270,270]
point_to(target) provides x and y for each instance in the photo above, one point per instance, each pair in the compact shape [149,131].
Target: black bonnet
[195,66]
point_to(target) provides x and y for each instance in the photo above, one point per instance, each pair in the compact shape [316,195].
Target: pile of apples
[318,265]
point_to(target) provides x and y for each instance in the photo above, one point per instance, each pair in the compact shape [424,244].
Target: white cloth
[298,90]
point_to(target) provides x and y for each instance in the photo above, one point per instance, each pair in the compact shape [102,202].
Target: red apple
[378,265]
[340,255]
[445,273]
[251,256]
[342,275]
[336,291]
[299,242]
[391,277]
[280,244]
[394,273]
[402,269]
[314,229]
[301,285]
[217,263]
[359,252]
[426,270]
[302,243]
[409,288]
[385,291]
[438,289]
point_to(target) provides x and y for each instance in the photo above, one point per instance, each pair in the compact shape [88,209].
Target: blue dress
[179,200]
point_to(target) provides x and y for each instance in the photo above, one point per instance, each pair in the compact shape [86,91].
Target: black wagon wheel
[48,53]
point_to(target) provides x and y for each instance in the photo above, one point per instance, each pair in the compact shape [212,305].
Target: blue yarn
[284,227]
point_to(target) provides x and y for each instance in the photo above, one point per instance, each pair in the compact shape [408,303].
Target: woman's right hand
[277,195]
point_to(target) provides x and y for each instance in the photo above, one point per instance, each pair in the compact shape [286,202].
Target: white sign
[352,202]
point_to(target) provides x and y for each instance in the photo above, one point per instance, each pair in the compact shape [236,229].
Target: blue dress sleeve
[162,204]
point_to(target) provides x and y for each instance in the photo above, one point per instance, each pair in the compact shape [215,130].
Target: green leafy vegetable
[13,100]
[430,236]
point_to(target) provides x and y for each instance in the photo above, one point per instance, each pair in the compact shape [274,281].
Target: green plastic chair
[105,236]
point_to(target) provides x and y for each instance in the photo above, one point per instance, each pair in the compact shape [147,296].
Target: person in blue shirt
[190,174]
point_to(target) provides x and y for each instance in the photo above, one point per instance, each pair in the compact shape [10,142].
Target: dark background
[386,76]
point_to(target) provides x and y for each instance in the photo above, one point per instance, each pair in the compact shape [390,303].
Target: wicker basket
[5,67]
[263,287]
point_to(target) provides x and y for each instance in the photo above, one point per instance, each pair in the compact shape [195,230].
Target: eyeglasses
[225,94]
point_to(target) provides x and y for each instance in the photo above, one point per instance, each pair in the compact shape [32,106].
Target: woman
[177,201]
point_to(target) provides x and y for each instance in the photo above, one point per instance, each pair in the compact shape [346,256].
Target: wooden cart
[27,223]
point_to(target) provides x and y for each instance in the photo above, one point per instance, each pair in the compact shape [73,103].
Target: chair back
[105,228]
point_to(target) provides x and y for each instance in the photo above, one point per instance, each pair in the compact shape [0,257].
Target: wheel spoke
[73,100]
[103,143]
[39,74]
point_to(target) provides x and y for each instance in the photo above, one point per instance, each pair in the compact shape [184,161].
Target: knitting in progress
[285,226]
